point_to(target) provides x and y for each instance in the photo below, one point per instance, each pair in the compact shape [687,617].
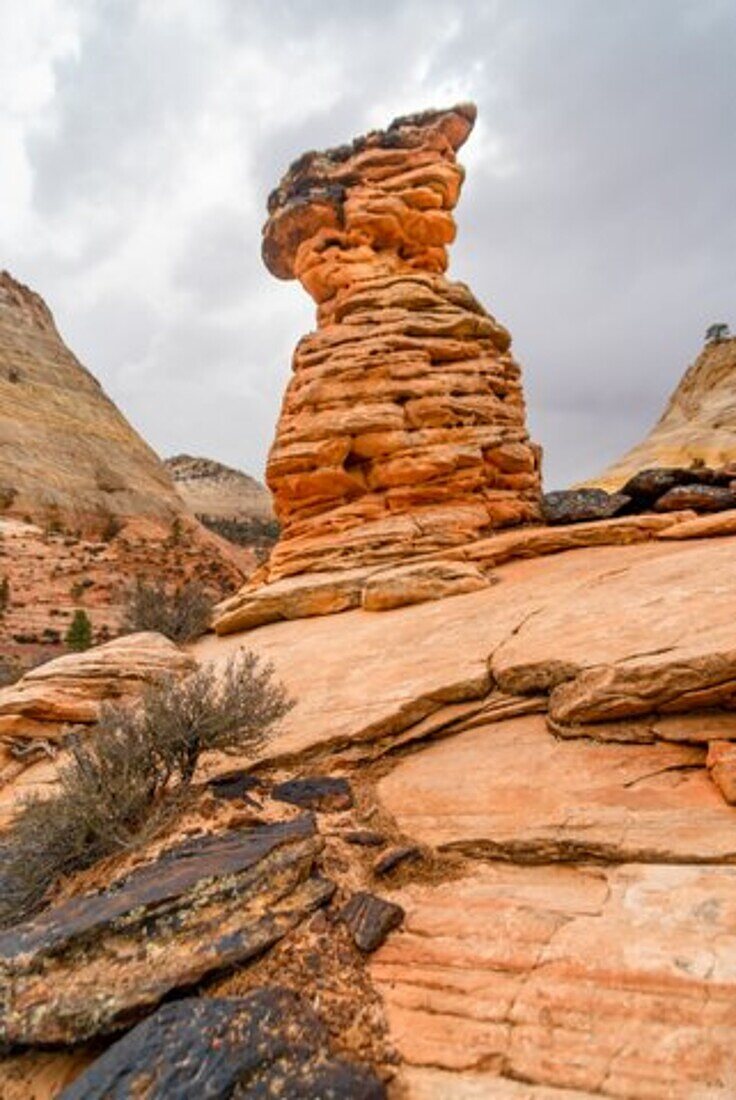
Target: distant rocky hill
[226,500]
[65,449]
[697,426]
[85,503]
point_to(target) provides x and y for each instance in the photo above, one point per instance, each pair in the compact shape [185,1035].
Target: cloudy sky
[139,139]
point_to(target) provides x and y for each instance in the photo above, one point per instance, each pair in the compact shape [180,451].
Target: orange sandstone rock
[402,430]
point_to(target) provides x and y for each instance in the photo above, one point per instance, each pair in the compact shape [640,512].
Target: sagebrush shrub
[182,613]
[126,775]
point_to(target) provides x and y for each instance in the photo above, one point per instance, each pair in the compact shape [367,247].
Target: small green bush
[127,776]
[181,613]
[79,635]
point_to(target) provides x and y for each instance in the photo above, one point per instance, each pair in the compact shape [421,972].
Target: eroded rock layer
[402,429]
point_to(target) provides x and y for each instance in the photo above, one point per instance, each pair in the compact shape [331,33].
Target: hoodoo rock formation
[402,429]
[698,426]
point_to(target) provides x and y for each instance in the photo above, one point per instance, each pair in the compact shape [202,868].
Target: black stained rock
[236,785]
[325,793]
[364,838]
[579,505]
[94,963]
[647,486]
[370,919]
[394,856]
[267,1045]
[698,498]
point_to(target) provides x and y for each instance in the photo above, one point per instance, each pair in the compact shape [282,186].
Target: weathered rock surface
[323,793]
[700,498]
[403,428]
[370,919]
[382,589]
[95,963]
[510,790]
[721,763]
[614,981]
[723,523]
[225,500]
[416,583]
[583,505]
[85,504]
[698,425]
[546,621]
[264,1046]
[70,689]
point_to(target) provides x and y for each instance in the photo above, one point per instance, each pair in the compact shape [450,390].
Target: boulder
[70,689]
[421,581]
[582,505]
[324,793]
[646,486]
[268,1044]
[92,964]
[370,919]
[699,498]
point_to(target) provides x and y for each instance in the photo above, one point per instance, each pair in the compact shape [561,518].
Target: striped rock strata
[402,429]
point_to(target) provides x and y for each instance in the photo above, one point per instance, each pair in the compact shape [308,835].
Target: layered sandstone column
[402,430]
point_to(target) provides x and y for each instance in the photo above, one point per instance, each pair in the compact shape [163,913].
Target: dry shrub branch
[124,778]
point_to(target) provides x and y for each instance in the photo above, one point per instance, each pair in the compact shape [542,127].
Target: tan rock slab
[611,692]
[359,678]
[417,583]
[70,689]
[510,790]
[421,1083]
[618,982]
[292,598]
[669,610]
[704,527]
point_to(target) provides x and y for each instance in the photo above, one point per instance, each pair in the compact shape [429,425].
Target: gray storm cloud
[597,219]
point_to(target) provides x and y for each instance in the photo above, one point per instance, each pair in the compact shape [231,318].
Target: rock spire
[402,429]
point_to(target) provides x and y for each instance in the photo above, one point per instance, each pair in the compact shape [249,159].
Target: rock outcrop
[225,500]
[85,504]
[402,430]
[698,425]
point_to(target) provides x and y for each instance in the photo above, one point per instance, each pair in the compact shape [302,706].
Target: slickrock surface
[361,679]
[381,588]
[617,981]
[91,964]
[565,926]
[402,430]
[698,425]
